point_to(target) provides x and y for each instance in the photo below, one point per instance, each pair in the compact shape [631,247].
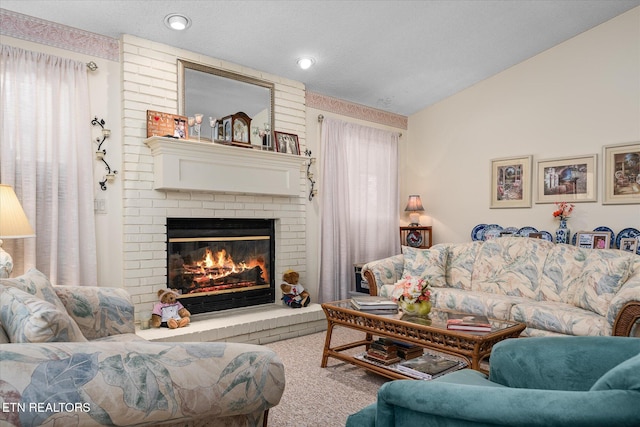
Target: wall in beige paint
[568,101]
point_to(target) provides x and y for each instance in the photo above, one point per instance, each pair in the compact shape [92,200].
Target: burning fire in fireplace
[216,271]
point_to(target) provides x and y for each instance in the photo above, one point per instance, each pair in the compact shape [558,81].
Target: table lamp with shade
[414,206]
[13,225]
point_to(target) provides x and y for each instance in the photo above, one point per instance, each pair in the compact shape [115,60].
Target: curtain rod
[321,118]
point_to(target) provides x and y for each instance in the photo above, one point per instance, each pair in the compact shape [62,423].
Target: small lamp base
[414,217]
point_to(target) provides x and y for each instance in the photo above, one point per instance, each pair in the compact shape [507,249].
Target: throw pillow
[37,284]
[427,264]
[29,319]
[604,273]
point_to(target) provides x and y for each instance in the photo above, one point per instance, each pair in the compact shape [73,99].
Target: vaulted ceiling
[398,56]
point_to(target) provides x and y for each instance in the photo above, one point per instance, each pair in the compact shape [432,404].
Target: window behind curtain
[46,155]
[359,202]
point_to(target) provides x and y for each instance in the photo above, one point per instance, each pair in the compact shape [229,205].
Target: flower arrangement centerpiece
[563,212]
[413,296]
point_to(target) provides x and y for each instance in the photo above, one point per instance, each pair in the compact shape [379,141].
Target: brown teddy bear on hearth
[169,312]
[294,294]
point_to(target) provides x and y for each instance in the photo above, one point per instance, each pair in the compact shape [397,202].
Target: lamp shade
[13,221]
[414,204]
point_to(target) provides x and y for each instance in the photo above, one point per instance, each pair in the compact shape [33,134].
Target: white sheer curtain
[46,155]
[359,202]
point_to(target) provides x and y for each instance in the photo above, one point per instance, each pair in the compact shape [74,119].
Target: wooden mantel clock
[417,237]
[235,129]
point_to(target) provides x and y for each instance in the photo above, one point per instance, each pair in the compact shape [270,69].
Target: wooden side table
[416,237]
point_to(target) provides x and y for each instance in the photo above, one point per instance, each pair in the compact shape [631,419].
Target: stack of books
[383,351]
[468,322]
[429,366]
[408,351]
[374,304]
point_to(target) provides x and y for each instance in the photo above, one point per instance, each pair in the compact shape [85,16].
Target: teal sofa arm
[99,311]
[558,363]
[452,402]
[138,383]
[386,271]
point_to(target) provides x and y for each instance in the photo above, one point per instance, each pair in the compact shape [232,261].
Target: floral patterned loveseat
[555,289]
[69,357]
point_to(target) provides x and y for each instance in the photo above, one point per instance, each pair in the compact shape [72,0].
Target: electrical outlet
[100,206]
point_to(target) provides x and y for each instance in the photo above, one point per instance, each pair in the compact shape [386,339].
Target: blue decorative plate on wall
[626,234]
[524,231]
[491,231]
[610,231]
[546,236]
[476,233]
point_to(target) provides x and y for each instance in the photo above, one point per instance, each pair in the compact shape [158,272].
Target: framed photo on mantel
[165,124]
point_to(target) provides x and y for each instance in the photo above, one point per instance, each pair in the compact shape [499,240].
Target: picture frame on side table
[570,179]
[629,244]
[511,182]
[287,143]
[593,240]
[622,173]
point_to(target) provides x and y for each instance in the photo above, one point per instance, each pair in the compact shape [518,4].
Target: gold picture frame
[511,182]
[567,179]
[621,173]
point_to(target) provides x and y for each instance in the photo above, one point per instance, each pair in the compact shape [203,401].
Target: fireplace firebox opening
[221,263]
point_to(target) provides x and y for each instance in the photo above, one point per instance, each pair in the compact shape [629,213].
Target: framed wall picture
[287,143]
[570,179]
[622,173]
[511,182]
[593,239]
[629,244]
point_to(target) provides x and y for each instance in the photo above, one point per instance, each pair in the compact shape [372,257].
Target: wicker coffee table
[429,333]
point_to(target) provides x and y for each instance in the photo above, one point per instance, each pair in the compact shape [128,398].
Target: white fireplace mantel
[202,166]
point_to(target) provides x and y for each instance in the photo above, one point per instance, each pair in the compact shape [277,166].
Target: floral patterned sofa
[555,289]
[69,356]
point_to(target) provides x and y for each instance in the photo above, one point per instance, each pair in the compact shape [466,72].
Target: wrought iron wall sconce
[312,192]
[102,152]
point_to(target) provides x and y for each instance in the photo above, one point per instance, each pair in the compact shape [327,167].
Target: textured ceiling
[398,56]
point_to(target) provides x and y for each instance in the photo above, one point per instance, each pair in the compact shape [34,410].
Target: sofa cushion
[4,338]
[510,266]
[491,305]
[604,273]
[561,271]
[560,317]
[427,264]
[622,377]
[29,319]
[37,284]
[460,260]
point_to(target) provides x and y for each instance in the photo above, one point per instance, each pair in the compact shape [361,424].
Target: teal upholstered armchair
[547,381]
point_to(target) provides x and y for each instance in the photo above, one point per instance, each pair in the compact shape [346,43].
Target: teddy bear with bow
[169,312]
[294,294]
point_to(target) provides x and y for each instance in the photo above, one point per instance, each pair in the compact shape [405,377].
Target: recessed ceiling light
[177,22]
[306,62]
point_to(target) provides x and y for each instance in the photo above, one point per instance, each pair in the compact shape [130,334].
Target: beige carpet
[316,396]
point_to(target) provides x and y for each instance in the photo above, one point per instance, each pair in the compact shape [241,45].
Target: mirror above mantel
[218,93]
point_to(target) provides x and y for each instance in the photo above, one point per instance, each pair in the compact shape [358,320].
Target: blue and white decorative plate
[524,231]
[610,231]
[491,231]
[546,236]
[476,233]
[626,234]
[511,230]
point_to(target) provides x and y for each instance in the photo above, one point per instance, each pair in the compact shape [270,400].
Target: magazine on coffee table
[468,322]
[437,362]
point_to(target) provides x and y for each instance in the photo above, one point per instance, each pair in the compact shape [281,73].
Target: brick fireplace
[150,81]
